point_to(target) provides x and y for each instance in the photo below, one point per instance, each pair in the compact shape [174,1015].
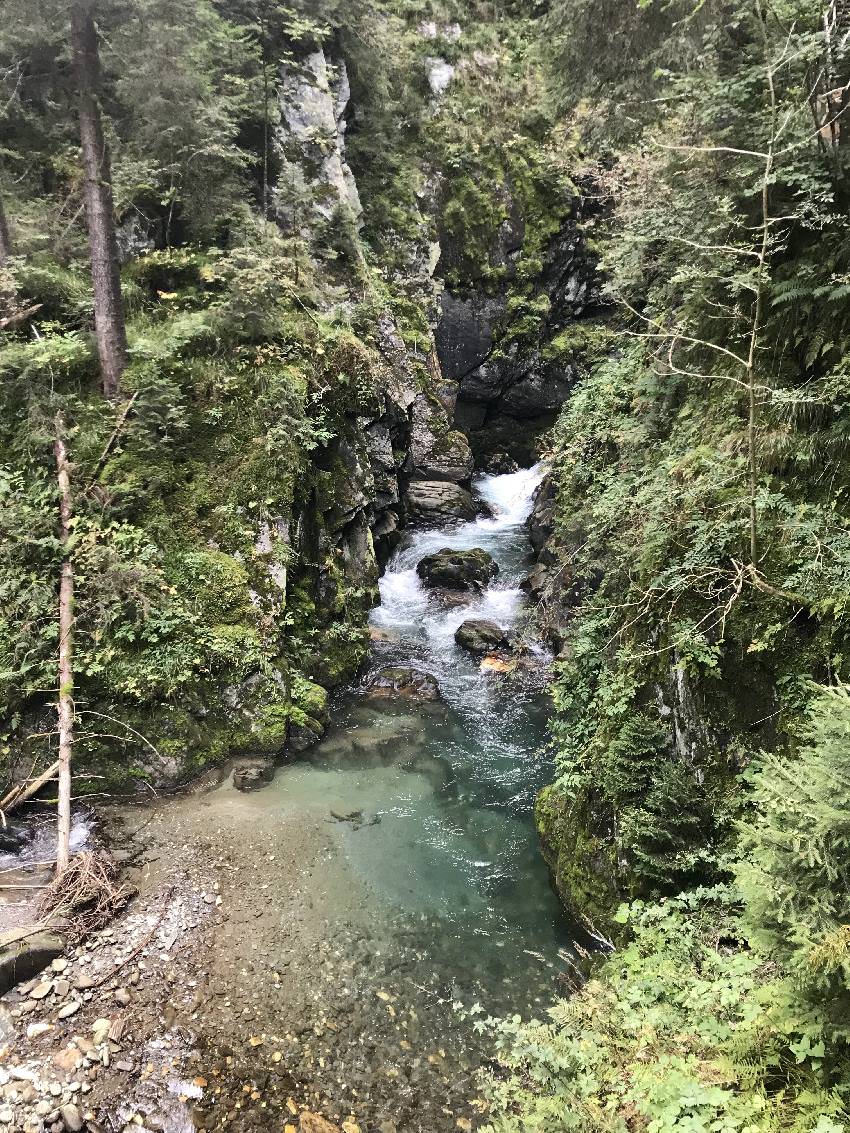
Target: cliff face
[507,344]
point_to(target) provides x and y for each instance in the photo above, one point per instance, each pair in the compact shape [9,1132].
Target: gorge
[423,558]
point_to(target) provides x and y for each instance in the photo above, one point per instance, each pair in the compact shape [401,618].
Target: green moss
[310,698]
[216,585]
[582,866]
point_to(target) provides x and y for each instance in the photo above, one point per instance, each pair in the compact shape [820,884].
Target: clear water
[446,791]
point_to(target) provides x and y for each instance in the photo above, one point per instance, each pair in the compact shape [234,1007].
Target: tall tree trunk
[5,238]
[66,652]
[108,311]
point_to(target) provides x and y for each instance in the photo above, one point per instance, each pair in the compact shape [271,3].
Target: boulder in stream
[250,776]
[438,501]
[458,570]
[479,635]
[400,680]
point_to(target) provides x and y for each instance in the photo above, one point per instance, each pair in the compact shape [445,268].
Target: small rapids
[446,792]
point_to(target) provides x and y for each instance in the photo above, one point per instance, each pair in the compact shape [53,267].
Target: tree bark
[97,191]
[66,652]
[5,238]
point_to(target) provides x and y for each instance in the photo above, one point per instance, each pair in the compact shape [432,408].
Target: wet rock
[436,501]
[465,332]
[458,570]
[480,636]
[536,580]
[253,776]
[301,737]
[437,452]
[13,838]
[397,680]
[500,464]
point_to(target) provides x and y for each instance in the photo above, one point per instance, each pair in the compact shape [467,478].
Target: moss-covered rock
[581,865]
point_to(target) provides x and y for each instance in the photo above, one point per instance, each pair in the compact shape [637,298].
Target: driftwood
[85,896]
[23,791]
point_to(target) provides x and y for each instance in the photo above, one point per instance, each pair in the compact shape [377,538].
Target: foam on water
[422,629]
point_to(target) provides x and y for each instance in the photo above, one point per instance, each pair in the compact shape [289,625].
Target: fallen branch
[19,317]
[22,791]
[110,444]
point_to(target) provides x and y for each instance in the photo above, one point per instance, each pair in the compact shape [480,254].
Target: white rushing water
[424,630]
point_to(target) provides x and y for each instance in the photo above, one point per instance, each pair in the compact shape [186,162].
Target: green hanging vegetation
[701,545]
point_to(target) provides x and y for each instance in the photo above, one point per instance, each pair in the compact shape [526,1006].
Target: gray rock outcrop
[458,570]
[480,636]
[310,139]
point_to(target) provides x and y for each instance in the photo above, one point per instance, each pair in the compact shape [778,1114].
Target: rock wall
[502,346]
[315,180]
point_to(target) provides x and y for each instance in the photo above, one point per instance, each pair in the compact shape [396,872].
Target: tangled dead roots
[86,896]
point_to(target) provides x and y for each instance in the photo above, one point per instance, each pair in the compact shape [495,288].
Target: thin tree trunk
[66,653]
[264,53]
[5,238]
[106,281]
[761,271]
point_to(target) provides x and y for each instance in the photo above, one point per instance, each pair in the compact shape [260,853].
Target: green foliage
[793,870]
[665,475]
[686,1028]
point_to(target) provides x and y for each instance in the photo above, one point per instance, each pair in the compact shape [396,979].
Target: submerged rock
[449,599]
[479,635]
[303,736]
[436,501]
[493,663]
[252,776]
[458,570]
[398,680]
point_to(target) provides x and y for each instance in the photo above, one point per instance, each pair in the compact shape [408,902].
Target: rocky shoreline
[244,989]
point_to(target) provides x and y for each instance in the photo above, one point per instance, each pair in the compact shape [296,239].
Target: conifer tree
[106,280]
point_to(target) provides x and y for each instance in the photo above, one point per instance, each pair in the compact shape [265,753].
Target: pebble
[41,990]
[68,1009]
[122,996]
[59,964]
[36,1029]
[61,987]
[72,1117]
